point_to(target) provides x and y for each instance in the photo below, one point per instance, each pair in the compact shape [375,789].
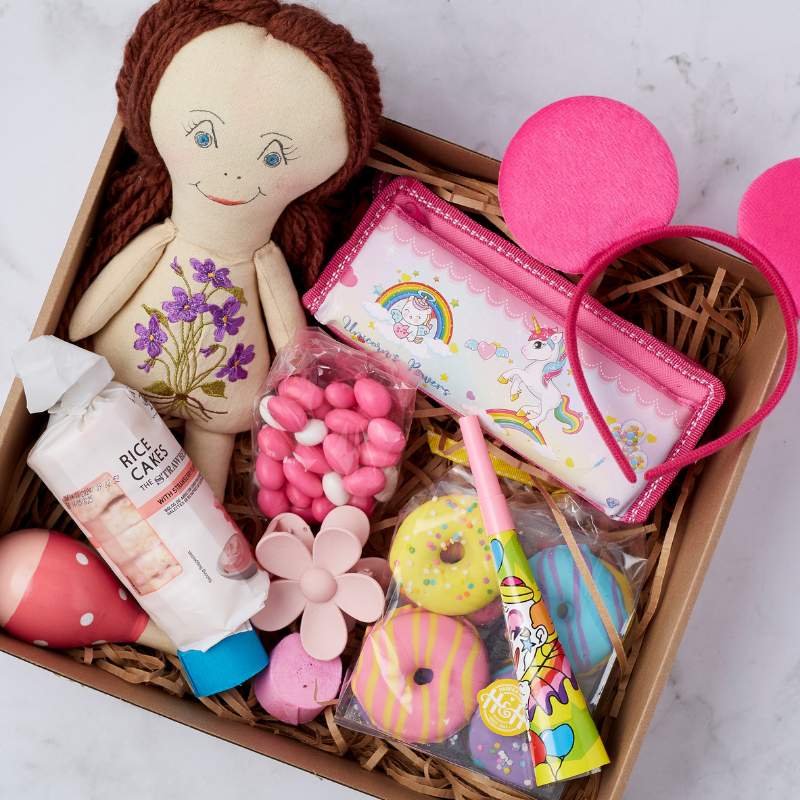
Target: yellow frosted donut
[441,558]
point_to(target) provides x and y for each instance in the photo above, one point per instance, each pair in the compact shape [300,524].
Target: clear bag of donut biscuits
[437,670]
[329,427]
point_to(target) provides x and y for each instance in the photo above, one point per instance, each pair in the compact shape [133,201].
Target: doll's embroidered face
[245,123]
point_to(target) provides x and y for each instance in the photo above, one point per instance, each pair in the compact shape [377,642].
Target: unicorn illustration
[413,318]
[547,358]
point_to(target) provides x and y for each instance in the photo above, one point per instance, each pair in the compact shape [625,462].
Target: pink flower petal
[336,550]
[285,603]
[284,555]
[359,596]
[350,519]
[323,631]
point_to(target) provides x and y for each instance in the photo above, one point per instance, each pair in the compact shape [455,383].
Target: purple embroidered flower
[175,267]
[150,338]
[224,321]
[207,351]
[206,271]
[147,366]
[184,308]
[233,370]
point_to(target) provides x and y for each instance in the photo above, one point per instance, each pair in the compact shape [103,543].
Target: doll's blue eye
[272,159]
[202,139]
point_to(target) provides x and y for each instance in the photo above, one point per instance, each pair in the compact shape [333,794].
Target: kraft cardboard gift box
[700,526]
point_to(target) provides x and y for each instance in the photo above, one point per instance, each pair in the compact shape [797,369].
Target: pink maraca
[56,592]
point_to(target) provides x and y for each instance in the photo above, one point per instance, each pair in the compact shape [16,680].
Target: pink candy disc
[312,458]
[274,443]
[297,498]
[365,481]
[269,473]
[366,504]
[304,513]
[272,502]
[320,508]
[386,434]
[340,395]
[321,411]
[301,390]
[340,453]
[287,413]
[295,687]
[307,482]
[345,420]
[583,174]
[371,455]
[372,397]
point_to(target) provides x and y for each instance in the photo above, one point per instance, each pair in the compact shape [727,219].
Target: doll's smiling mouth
[222,200]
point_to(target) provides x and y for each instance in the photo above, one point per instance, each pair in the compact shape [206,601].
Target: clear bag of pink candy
[330,425]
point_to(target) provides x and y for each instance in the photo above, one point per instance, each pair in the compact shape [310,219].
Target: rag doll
[244,115]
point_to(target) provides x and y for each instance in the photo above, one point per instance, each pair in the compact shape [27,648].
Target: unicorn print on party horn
[563,738]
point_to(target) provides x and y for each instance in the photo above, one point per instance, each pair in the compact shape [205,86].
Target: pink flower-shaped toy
[314,579]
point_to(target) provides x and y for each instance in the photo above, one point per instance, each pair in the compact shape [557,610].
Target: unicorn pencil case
[481,324]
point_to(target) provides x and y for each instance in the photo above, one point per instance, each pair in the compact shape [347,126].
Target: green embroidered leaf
[214,388]
[160,388]
[238,293]
[154,312]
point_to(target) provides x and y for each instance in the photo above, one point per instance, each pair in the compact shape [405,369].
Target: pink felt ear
[769,219]
[582,174]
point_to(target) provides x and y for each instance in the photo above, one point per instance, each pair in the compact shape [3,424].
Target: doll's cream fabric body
[245,124]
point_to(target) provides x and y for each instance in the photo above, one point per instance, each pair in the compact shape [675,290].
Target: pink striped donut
[419,673]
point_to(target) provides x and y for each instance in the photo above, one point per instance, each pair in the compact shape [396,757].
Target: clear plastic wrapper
[437,671]
[330,425]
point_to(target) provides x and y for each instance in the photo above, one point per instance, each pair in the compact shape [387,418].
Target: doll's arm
[279,299]
[119,279]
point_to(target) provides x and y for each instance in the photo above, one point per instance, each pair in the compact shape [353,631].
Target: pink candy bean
[371,455]
[297,498]
[321,411]
[373,398]
[304,513]
[287,413]
[340,453]
[365,482]
[312,458]
[320,508]
[386,434]
[366,504]
[274,443]
[302,391]
[272,502]
[344,420]
[269,472]
[340,395]
[307,482]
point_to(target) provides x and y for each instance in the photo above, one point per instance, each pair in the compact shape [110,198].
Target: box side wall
[701,525]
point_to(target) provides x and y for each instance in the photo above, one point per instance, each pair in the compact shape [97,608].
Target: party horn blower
[563,737]
[56,592]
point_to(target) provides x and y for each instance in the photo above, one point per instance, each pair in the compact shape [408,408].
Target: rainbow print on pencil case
[418,307]
[515,421]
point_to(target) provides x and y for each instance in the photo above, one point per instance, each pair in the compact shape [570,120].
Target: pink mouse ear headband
[587,179]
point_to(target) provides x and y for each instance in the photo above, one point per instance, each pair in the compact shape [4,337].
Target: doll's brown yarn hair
[141,194]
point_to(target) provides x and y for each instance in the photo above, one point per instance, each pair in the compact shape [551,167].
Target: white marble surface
[722,81]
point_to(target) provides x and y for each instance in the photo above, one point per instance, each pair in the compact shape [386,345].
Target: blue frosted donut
[567,597]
